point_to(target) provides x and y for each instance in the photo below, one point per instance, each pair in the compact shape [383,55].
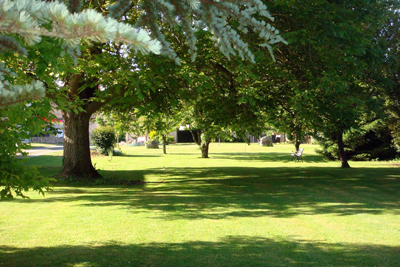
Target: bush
[117,153]
[266,141]
[169,140]
[104,138]
[152,143]
[361,157]
[122,137]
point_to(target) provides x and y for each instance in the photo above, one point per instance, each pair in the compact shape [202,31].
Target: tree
[38,23]
[391,34]
[106,71]
[214,105]
[162,125]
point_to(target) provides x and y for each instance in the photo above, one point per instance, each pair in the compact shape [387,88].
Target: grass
[43,145]
[245,206]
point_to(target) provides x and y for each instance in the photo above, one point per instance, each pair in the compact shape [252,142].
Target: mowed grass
[244,206]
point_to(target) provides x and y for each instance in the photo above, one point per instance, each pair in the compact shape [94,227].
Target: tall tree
[28,31]
[392,35]
[214,104]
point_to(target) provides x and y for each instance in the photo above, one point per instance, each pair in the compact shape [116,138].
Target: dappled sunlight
[235,209]
[217,193]
[265,157]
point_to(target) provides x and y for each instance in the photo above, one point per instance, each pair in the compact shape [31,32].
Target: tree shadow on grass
[266,157]
[217,193]
[137,156]
[229,251]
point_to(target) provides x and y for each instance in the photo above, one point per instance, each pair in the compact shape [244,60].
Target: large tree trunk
[204,148]
[342,153]
[164,140]
[77,161]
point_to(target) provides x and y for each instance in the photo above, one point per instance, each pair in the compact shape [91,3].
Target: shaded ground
[230,251]
[191,193]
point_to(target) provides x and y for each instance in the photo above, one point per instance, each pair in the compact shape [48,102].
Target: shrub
[152,143]
[361,157]
[169,140]
[122,137]
[104,138]
[266,141]
[117,153]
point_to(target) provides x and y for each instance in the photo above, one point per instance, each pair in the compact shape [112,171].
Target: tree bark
[297,145]
[342,153]
[164,139]
[77,161]
[204,148]
[297,139]
[198,140]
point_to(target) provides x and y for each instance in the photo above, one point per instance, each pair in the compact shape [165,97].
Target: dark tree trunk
[204,148]
[164,140]
[342,153]
[77,161]
[297,145]
[297,139]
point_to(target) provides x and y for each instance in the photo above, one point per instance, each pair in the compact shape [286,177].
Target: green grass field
[244,206]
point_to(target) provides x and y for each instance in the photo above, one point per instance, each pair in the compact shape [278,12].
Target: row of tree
[337,69]
[338,74]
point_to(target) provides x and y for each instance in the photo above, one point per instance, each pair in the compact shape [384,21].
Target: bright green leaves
[19,123]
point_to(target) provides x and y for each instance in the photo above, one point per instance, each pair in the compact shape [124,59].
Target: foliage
[228,21]
[104,139]
[266,141]
[27,21]
[17,178]
[108,74]
[19,122]
[334,70]
[328,145]
[152,143]
[213,100]
[112,120]
[373,141]
[393,102]
[169,139]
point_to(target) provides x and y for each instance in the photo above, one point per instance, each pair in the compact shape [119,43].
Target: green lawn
[245,206]
[43,145]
